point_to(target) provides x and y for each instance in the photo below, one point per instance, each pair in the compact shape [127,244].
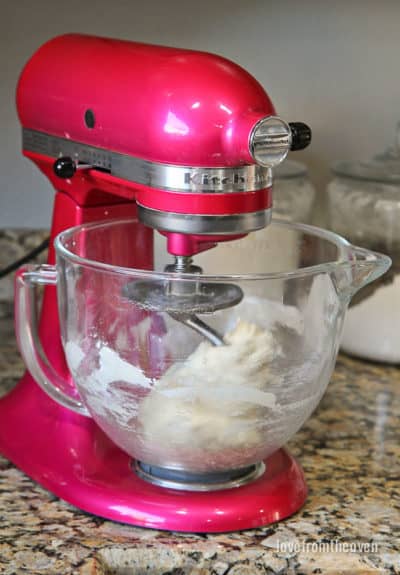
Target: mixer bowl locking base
[187,481]
[80,464]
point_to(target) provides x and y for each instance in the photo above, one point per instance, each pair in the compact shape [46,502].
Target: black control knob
[64,167]
[301,135]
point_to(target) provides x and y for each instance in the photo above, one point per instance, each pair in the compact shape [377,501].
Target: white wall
[335,65]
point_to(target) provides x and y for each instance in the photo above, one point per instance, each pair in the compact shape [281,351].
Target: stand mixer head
[189,136]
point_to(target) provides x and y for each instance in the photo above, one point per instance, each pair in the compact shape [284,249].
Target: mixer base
[71,457]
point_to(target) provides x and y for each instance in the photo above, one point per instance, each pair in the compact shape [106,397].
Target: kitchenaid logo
[224,180]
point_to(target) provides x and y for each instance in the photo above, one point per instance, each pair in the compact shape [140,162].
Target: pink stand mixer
[185,142]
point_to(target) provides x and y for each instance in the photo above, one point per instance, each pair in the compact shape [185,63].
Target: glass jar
[364,206]
[294,193]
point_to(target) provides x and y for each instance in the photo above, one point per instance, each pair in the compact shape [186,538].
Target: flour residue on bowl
[173,399]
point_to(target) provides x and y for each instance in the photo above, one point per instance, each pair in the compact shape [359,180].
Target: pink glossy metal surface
[202,109]
[202,106]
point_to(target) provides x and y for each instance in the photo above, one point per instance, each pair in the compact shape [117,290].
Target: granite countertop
[349,450]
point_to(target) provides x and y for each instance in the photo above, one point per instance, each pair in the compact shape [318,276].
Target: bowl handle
[27,279]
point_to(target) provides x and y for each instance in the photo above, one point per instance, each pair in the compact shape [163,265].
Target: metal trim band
[187,481]
[204,224]
[161,176]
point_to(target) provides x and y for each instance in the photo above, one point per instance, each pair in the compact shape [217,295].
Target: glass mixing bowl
[157,388]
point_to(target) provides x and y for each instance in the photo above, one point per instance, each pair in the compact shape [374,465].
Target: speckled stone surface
[349,450]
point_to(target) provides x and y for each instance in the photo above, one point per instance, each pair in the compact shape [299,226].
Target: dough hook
[184,297]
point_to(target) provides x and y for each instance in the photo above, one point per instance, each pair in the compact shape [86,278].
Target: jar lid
[290,169]
[383,167]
